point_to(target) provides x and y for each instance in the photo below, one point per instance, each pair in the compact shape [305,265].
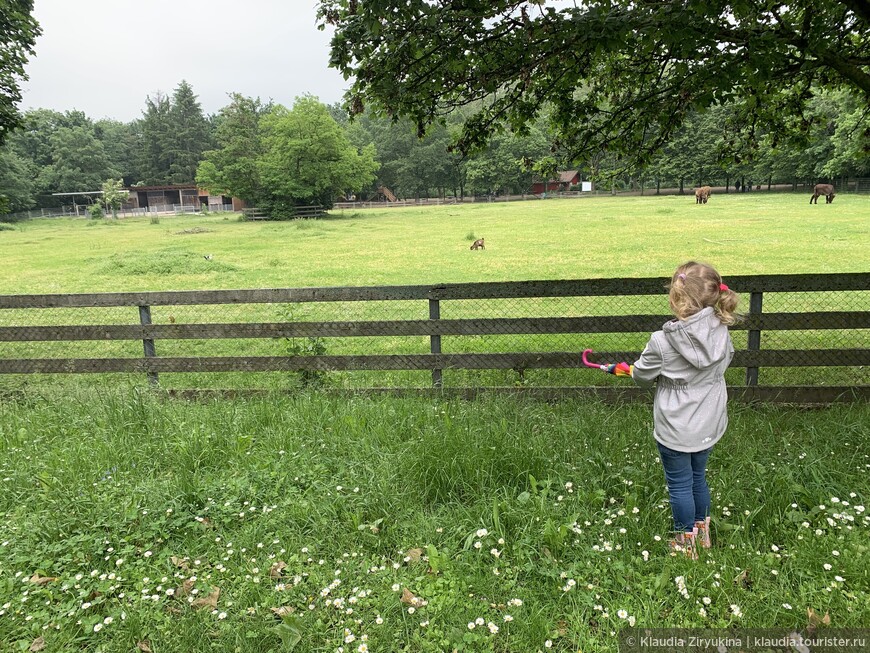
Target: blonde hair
[695,286]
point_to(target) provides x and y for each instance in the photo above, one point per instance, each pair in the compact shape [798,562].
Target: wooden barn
[565,180]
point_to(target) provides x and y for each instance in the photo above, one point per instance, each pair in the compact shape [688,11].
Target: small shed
[565,180]
[172,197]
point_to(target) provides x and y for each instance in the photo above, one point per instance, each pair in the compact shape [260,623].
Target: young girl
[686,361]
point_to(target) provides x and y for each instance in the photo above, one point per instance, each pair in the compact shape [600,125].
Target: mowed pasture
[317,523]
[588,237]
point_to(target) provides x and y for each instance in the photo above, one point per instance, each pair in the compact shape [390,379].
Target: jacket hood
[701,339]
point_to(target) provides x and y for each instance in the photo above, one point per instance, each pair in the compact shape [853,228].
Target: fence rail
[457,323]
[312,211]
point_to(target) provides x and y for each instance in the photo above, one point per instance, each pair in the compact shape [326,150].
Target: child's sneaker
[685,543]
[703,538]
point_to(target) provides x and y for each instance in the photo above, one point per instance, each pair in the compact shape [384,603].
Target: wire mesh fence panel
[511,333]
[807,311]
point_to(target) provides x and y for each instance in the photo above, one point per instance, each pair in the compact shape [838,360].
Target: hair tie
[682,276]
[723,287]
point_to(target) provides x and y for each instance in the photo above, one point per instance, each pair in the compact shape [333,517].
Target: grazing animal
[823,189]
[702,194]
[478,244]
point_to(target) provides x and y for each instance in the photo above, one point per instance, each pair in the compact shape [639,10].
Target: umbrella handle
[588,364]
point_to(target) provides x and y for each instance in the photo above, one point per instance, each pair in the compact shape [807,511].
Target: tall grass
[130,503]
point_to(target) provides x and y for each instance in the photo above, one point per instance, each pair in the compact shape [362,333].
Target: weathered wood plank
[494,290]
[769,358]
[801,358]
[821,320]
[463,327]
[798,282]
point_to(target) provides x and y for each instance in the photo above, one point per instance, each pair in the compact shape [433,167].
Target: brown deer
[702,194]
[823,189]
[478,244]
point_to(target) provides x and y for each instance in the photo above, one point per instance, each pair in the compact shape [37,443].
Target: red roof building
[564,181]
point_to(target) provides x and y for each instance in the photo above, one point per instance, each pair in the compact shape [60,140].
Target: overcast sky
[104,57]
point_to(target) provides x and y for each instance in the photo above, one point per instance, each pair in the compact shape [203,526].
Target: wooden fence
[753,357]
[313,211]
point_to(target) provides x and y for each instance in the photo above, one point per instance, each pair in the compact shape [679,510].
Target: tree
[232,168]
[79,162]
[16,183]
[308,159]
[114,195]
[851,138]
[154,161]
[500,167]
[620,75]
[121,142]
[32,140]
[18,32]
[189,135]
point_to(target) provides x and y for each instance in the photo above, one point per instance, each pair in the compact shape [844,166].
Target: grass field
[595,237]
[588,237]
[281,524]
[307,522]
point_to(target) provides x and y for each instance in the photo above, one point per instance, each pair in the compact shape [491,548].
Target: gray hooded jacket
[686,361]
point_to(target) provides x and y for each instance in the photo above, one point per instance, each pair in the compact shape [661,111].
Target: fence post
[147,343]
[435,340]
[754,340]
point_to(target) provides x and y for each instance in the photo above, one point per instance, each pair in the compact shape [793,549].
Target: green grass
[592,237]
[122,497]
[123,511]
[555,239]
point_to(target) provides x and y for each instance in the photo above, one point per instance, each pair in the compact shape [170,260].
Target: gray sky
[104,57]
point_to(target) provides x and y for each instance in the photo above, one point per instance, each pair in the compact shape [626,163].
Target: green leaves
[18,32]
[289,630]
[650,63]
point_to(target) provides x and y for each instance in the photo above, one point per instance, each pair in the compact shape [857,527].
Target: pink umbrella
[619,369]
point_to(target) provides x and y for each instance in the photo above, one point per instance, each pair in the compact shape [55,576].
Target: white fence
[161,209]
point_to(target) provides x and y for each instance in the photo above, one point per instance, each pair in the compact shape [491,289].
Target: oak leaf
[209,601]
[181,563]
[409,599]
[814,620]
[277,570]
[184,588]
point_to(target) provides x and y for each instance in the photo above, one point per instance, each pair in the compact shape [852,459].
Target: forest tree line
[312,153]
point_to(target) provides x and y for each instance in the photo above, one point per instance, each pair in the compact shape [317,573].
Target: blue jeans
[686,474]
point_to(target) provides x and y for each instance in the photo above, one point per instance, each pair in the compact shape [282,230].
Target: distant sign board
[586,186]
